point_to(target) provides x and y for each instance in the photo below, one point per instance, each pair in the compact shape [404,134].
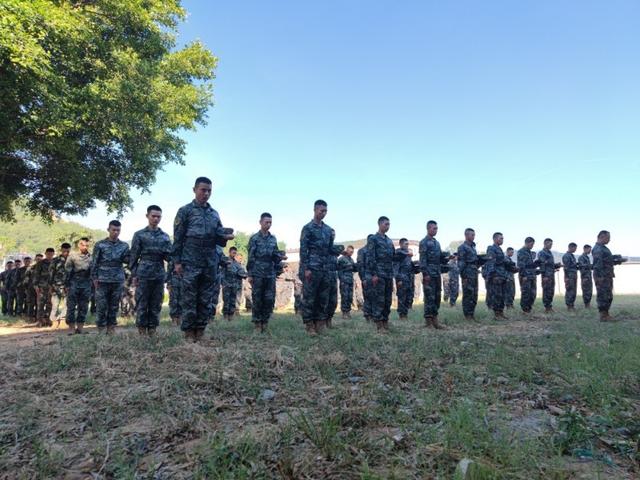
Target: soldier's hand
[38,291]
[178,269]
[398,284]
[134,281]
[307,275]
[426,279]
[250,280]
[374,280]
[229,236]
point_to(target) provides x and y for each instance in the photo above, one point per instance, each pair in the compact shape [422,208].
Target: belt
[111,263]
[200,242]
[154,257]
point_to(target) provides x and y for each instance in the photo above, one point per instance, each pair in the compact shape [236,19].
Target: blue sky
[522,117]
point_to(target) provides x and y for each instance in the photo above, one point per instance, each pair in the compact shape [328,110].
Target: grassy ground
[545,399]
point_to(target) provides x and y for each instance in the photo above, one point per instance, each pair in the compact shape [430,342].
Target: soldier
[468,265]
[403,271]
[263,265]
[431,260]
[379,267]
[175,290]
[107,272]
[232,277]
[496,276]
[297,295]
[150,248]
[454,280]
[346,269]
[603,262]
[547,269]
[510,286]
[21,291]
[445,286]
[316,245]
[4,292]
[361,259]
[57,286]
[586,281]
[41,275]
[197,231]
[12,288]
[527,266]
[336,250]
[128,296]
[570,276]
[223,262]
[30,289]
[78,283]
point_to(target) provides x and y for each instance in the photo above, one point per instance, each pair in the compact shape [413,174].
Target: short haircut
[202,180]
[10,262]
[65,245]
[572,244]
[587,246]
[320,203]
[27,258]
[431,222]
[84,239]
[349,247]
[115,223]
[18,261]
[529,240]
[265,215]
[153,207]
[49,250]
[603,233]
[39,255]
[496,235]
[233,249]
[548,240]
[402,240]
[510,249]
[467,230]
[383,219]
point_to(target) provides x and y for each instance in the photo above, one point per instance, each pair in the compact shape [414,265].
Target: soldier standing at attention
[150,248]
[403,270]
[175,290]
[197,230]
[110,255]
[346,269]
[510,287]
[586,280]
[547,268]
[496,275]
[527,266]
[336,251]
[57,285]
[78,284]
[262,267]
[4,292]
[232,278]
[468,265]
[570,276]
[431,259]
[30,289]
[41,275]
[21,291]
[379,267]
[603,262]
[361,260]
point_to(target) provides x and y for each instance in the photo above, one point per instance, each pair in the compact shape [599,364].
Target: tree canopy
[93,96]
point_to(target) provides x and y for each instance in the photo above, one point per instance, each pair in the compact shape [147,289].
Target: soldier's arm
[134,255]
[252,255]
[179,233]
[95,261]
[126,255]
[370,259]
[461,260]
[304,248]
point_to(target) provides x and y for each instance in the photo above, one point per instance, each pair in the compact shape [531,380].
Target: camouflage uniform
[454,282]
[4,276]
[196,233]
[603,276]
[403,270]
[297,295]
[496,278]
[346,269]
[510,286]
[316,246]
[175,291]
[332,304]
[78,281]
[41,275]
[527,275]
[232,277]
[431,266]
[149,250]
[365,282]
[21,292]
[31,299]
[570,279]
[547,268]
[12,291]
[262,267]
[57,285]
[128,295]
[379,263]
[468,265]
[586,280]
[107,267]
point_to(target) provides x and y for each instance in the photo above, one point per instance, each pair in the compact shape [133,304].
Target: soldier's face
[384,226]
[548,245]
[265,223]
[499,240]
[320,212]
[203,192]
[27,262]
[154,217]
[432,229]
[529,245]
[83,246]
[114,232]
[572,249]
[48,255]
[470,236]
[232,253]
[509,253]
[606,238]
[17,265]
[587,251]
[348,252]
[8,266]
[64,252]
[38,258]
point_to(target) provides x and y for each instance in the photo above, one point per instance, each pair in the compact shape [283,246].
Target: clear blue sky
[522,117]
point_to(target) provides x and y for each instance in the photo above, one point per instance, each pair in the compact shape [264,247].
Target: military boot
[435,323]
[428,321]
[379,326]
[320,325]
[189,336]
[385,325]
[102,329]
[310,329]
[72,329]
[548,310]
[330,323]
[257,327]
[198,335]
[142,331]
[403,317]
[151,331]
[111,329]
[79,328]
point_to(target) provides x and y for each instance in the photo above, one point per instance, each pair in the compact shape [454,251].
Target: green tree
[93,95]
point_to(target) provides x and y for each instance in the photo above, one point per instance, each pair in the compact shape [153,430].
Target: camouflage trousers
[4,296]
[333,296]
[381,294]
[58,305]
[528,293]
[509,291]
[604,293]
[404,294]
[586,282]
[548,288]
[175,295]
[197,300]
[496,292]
[149,296]
[315,296]
[263,297]
[44,306]
[412,291]
[230,299]
[346,296]
[21,301]
[78,303]
[432,290]
[445,287]
[469,295]
[454,287]
[32,303]
[297,300]
[366,296]
[107,302]
[570,288]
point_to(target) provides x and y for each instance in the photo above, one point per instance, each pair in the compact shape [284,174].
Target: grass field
[552,399]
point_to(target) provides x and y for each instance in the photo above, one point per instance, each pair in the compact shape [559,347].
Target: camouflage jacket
[584,265]
[108,261]
[602,261]
[361,260]
[403,264]
[430,257]
[20,274]
[78,269]
[510,267]
[526,259]
[233,274]
[454,272]
[41,273]
[570,265]
[380,255]
[547,263]
[495,266]
[27,281]
[10,278]
[149,250]
[58,273]
[346,269]
[316,245]
[197,230]
[4,275]
[468,260]
[263,255]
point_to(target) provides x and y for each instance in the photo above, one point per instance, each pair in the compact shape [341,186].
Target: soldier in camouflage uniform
[547,269]
[30,290]
[586,280]
[445,286]
[570,276]
[603,275]
[496,275]
[78,283]
[21,292]
[110,255]
[346,269]
[526,261]
[453,280]
[361,259]
[468,265]
[41,276]
[232,277]
[175,290]
[510,286]
[196,233]
[336,251]
[379,267]
[403,271]
[12,288]
[431,260]
[316,246]
[57,285]
[297,295]
[263,265]
[4,292]
[150,248]
[128,295]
